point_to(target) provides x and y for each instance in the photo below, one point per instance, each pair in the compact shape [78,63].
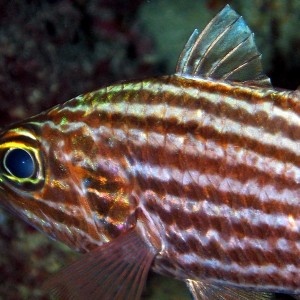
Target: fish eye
[19,163]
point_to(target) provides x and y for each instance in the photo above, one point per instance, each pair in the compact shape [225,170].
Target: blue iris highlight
[19,163]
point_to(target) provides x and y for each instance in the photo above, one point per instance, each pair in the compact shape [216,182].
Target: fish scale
[195,175]
[252,230]
[168,148]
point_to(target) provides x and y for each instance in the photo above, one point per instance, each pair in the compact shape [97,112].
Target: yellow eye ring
[30,180]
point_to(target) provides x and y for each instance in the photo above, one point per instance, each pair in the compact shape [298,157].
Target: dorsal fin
[224,50]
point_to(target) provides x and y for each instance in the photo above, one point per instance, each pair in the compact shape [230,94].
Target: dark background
[51,51]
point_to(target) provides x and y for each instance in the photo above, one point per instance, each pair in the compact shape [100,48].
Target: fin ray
[116,270]
[226,60]
[182,65]
[224,48]
[208,291]
[210,58]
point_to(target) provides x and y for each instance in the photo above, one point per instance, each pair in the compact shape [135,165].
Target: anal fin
[115,271]
[208,291]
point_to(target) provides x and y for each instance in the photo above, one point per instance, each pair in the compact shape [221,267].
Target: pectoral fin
[207,291]
[116,270]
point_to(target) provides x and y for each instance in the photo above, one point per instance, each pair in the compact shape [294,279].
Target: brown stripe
[238,114]
[239,255]
[61,216]
[284,100]
[211,192]
[173,126]
[275,282]
[270,123]
[158,155]
[227,228]
[154,156]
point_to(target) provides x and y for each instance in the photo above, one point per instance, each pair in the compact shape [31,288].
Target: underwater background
[51,51]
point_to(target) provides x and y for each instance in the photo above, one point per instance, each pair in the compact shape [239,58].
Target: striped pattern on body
[214,167]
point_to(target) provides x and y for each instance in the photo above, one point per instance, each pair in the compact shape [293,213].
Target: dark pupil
[19,163]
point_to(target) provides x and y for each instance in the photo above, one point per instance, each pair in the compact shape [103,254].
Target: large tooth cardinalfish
[194,175]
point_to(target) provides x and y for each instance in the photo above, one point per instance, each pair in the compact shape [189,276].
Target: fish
[194,175]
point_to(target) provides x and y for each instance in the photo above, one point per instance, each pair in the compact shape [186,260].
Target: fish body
[195,175]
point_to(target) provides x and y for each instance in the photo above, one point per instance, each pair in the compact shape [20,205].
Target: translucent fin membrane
[117,270]
[224,50]
[206,291]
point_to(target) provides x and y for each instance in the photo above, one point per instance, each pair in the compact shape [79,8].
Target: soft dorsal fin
[224,50]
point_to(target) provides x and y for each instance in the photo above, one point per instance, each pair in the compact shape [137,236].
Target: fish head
[57,178]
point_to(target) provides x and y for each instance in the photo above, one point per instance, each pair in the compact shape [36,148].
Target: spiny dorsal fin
[224,50]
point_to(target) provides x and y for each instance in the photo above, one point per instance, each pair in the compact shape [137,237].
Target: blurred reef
[51,51]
